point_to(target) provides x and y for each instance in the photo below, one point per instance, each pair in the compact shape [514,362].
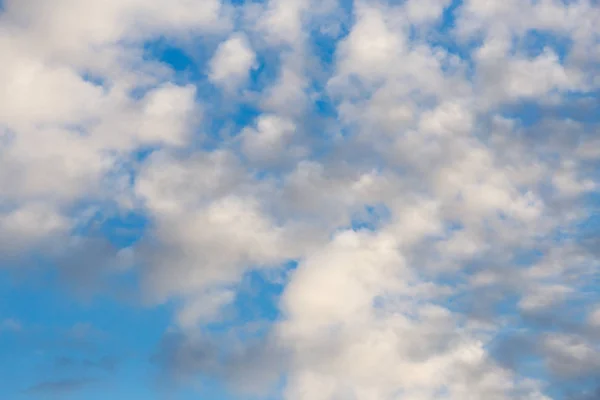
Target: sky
[300,199]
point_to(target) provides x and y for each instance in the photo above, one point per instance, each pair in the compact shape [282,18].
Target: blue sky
[299,200]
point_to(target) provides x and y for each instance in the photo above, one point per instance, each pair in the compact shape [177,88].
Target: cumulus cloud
[232,62]
[430,168]
[268,141]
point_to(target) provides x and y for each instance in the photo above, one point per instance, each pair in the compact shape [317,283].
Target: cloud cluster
[431,167]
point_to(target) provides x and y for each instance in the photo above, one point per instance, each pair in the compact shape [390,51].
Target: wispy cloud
[106,363]
[60,387]
[10,325]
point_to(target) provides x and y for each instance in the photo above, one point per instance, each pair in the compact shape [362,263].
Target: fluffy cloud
[430,167]
[232,62]
[268,141]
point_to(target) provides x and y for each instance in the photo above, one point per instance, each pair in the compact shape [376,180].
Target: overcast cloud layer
[336,200]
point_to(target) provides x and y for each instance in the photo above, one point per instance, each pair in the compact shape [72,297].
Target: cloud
[356,300]
[269,140]
[106,363]
[10,325]
[282,21]
[430,168]
[246,366]
[589,395]
[63,130]
[60,387]
[232,62]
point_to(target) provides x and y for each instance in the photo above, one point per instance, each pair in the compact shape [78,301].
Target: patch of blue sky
[574,106]
[590,225]
[579,106]
[186,67]
[266,70]
[124,230]
[535,42]
[324,38]
[94,79]
[577,305]
[53,325]
[515,345]
[237,3]
[121,228]
[501,301]
[46,313]
[162,51]
[183,64]
[222,118]
[582,229]
[526,112]
[371,217]
[445,37]
[323,132]
[525,257]
[323,125]
[448,19]
[453,226]
[573,389]
[367,218]
[259,294]
[226,121]
[141,154]
[324,46]
[90,217]
[514,350]
[256,304]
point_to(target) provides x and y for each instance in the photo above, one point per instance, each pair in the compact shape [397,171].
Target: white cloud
[270,138]
[210,230]
[522,78]
[288,94]
[232,62]
[65,133]
[425,11]
[372,46]
[204,307]
[282,21]
[544,297]
[345,345]
[481,196]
